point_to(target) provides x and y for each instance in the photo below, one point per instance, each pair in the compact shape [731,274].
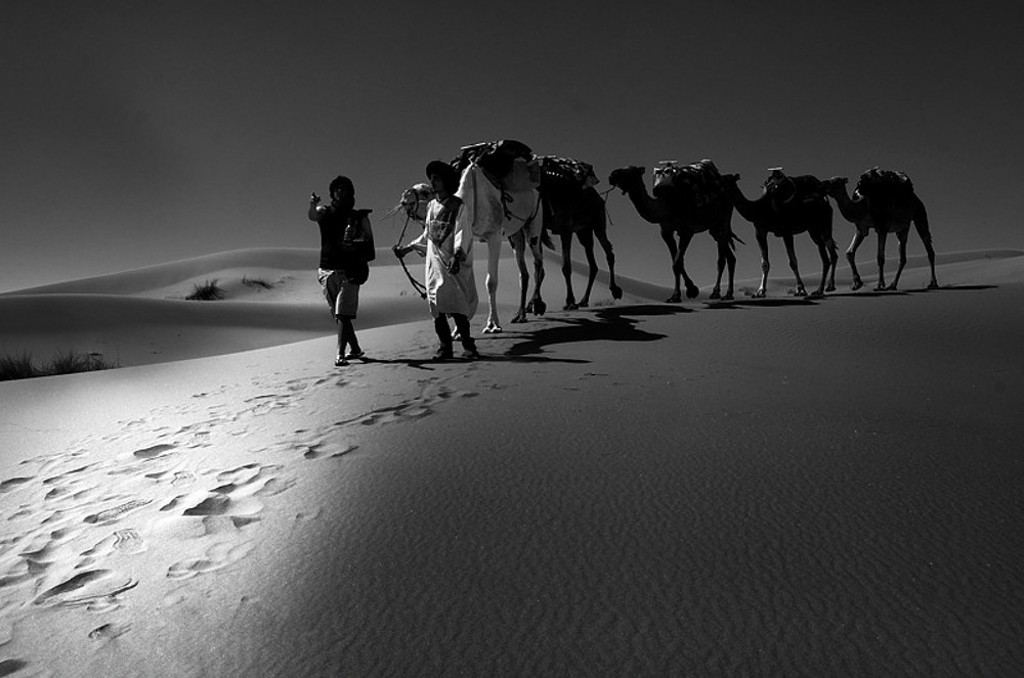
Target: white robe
[448,293]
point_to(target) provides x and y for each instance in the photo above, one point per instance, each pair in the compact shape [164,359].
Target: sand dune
[783,486]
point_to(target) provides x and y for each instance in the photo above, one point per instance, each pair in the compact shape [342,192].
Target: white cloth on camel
[443,235]
[483,208]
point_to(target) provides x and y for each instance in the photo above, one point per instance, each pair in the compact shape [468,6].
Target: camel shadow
[767,302]
[870,294]
[955,288]
[607,324]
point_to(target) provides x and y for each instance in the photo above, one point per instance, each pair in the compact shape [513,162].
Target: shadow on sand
[766,302]
[607,324]
[872,293]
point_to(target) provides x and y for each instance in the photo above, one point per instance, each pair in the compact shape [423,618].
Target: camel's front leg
[826,265]
[881,259]
[833,260]
[902,238]
[851,257]
[668,235]
[801,291]
[680,268]
[518,242]
[570,298]
[493,255]
[726,257]
[587,242]
[536,305]
[762,243]
[601,234]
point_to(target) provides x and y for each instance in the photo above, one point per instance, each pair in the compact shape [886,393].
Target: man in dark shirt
[346,245]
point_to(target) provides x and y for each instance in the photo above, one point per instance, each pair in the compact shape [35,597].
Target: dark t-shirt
[339,252]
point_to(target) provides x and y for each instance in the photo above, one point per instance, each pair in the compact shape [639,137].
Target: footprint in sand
[109,632]
[152,451]
[217,557]
[317,452]
[8,667]
[113,514]
[128,541]
[13,483]
[87,587]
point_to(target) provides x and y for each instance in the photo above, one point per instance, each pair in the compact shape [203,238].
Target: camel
[681,211]
[790,206]
[499,189]
[573,207]
[885,201]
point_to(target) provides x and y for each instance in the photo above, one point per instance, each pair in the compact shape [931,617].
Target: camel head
[415,199]
[626,178]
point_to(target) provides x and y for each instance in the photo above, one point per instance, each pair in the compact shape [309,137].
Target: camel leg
[570,298]
[493,255]
[880,258]
[518,242]
[668,235]
[536,305]
[901,237]
[587,241]
[851,257]
[762,243]
[726,257]
[833,259]
[601,233]
[820,242]
[921,224]
[801,291]
[684,242]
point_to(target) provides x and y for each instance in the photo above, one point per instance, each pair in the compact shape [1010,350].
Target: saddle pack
[884,183]
[699,182]
[785,189]
[494,156]
[561,176]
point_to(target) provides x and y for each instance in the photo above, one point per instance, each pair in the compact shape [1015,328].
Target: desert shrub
[22,367]
[257,282]
[70,362]
[16,367]
[208,291]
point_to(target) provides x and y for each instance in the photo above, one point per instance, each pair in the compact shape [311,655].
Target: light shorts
[341,295]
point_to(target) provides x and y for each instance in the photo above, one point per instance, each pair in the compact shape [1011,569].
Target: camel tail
[733,239]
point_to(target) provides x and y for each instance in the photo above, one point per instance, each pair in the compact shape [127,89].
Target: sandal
[340,362]
[355,355]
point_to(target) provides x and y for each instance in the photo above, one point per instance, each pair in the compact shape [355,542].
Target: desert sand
[786,486]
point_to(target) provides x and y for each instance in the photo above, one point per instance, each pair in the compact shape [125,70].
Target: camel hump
[802,187]
[699,182]
[496,157]
[884,183]
[565,175]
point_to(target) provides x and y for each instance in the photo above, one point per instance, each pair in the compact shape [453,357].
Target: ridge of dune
[141,317]
[165,275]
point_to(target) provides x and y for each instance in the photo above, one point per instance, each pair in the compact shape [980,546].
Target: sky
[139,133]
